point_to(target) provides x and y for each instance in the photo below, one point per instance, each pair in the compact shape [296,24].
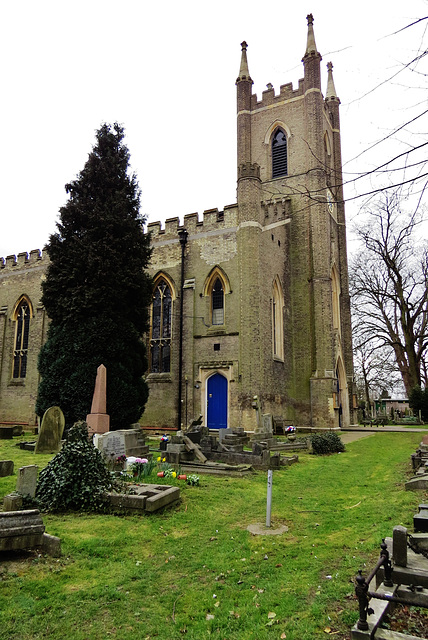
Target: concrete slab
[260,529]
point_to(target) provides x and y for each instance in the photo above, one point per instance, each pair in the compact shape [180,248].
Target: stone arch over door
[343,395]
[215,398]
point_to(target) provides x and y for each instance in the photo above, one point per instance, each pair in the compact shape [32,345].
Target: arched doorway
[217,402]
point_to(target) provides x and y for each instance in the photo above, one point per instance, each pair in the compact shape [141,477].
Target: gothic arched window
[20,348]
[217,298]
[160,333]
[279,154]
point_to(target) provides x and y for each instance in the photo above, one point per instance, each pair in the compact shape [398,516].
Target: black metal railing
[362,586]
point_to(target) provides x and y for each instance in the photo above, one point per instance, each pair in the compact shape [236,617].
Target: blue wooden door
[217,402]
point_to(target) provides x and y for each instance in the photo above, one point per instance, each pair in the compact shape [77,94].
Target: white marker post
[269,498]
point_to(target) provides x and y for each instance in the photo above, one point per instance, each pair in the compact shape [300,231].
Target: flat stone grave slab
[147,497]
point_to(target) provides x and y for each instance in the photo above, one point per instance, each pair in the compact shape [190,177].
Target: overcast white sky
[166,71]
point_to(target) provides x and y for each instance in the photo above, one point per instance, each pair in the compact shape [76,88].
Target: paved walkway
[350,434]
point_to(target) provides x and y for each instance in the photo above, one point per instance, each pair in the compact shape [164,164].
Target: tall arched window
[279,154]
[22,328]
[335,294]
[160,333]
[277,320]
[217,301]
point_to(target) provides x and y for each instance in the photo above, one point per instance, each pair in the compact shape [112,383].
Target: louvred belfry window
[160,339]
[20,352]
[279,154]
[218,303]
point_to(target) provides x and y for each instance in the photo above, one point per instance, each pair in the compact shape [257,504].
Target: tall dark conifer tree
[97,290]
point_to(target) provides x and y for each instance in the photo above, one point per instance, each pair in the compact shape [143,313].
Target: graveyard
[193,570]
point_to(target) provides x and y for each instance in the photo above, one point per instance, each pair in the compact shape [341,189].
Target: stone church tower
[249,301]
[291,234]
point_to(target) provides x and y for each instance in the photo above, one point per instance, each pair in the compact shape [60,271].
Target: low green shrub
[329,442]
[76,478]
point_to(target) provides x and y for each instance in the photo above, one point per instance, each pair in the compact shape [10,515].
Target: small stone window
[22,329]
[217,297]
[279,154]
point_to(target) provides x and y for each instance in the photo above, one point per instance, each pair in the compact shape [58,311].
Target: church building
[249,301]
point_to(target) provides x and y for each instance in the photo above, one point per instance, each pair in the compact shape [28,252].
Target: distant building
[249,301]
[386,405]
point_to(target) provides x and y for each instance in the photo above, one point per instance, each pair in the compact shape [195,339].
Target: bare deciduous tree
[389,287]
[375,369]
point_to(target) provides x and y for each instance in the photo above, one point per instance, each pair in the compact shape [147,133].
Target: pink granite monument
[98,420]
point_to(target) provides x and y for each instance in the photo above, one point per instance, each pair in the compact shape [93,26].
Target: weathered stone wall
[19,277]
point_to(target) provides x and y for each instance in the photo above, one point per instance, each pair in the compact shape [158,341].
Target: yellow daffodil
[159,459]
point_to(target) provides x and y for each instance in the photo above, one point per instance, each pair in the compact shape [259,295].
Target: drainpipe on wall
[183,241]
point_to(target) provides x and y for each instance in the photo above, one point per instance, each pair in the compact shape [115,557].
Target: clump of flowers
[290,430]
[169,473]
[121,459]
[141,467]
[164,438]
[193,480]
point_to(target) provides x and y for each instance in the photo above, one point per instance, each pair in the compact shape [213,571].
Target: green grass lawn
[195,572]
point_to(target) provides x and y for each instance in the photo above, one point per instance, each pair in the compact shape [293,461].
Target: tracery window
[279,154]
[160,334]
[22,328]
[217,298]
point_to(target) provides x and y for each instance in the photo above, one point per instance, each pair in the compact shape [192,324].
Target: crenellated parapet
[286,93]
[24,260]
[211,220]
[249,170]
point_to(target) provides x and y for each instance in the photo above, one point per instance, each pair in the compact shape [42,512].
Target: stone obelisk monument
[98,420]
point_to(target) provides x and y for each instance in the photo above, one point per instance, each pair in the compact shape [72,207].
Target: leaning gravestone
[51,431]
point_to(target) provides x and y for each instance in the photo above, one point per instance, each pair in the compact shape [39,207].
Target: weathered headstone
[53,423]
[6,468]
[267,423]
[124,442]
[27,480]
[98,420]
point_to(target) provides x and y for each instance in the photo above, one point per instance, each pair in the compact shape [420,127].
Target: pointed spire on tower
[244,74]
[331,89]
[311,46]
